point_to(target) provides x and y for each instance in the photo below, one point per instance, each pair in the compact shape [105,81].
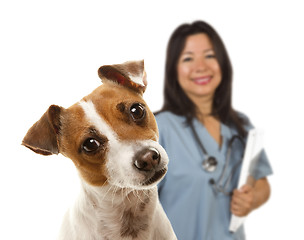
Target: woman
[202,135]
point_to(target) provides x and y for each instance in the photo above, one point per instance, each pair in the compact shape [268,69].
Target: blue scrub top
[195,209]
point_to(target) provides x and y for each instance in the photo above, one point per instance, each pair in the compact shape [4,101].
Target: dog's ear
[42,137]
[130,74]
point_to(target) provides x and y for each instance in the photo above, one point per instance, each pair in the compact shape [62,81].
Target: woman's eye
[137,112]
[90,145]
[187,59]
[210,56]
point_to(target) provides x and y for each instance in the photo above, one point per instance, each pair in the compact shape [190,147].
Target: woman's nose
[200,65]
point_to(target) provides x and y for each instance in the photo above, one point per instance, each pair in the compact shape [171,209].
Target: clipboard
[253,150]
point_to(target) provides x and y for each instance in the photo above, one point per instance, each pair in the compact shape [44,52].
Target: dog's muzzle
[148,161]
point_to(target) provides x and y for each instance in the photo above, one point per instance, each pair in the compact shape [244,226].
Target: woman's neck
[205,116]
[204,106]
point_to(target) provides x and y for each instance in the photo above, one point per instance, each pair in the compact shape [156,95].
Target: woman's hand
[248,198]
[242,201]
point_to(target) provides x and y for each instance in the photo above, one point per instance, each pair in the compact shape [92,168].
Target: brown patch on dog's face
[75,135]
[116,108]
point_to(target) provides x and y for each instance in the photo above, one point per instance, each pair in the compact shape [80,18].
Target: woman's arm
[248,198]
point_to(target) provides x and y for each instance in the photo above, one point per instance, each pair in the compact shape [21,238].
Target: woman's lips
[202,80]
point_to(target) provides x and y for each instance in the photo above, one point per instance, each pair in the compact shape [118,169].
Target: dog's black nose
[147,159]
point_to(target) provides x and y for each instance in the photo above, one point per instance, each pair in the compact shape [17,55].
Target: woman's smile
[204,80]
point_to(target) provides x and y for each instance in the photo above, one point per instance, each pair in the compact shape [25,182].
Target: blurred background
[50,52]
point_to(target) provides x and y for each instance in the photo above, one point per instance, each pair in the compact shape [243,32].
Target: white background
[50,52]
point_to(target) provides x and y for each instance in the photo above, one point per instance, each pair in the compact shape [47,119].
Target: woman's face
[198,70]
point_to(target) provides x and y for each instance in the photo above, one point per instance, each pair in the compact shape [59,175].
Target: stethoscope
[209,163]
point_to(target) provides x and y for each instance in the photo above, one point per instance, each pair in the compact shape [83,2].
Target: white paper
[253,149]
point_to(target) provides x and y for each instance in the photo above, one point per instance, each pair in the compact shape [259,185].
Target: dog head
[110,135]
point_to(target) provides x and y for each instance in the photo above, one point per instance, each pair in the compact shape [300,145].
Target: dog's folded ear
[42,137]
[129,74]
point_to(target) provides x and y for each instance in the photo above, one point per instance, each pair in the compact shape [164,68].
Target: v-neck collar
[205,137]
[211,143]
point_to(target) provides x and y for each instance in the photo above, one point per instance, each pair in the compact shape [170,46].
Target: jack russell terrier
[111,137]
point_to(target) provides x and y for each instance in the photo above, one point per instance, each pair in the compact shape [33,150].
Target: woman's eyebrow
[204,51]
[188,52]
[209,50]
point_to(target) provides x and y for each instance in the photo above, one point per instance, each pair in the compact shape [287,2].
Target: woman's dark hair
[175,99]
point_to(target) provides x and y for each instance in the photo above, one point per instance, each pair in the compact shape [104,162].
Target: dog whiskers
[114,194]
[105,183]
[127,197]
[106,193]
[138,196]
[122,196]
[136,205]
[146,192]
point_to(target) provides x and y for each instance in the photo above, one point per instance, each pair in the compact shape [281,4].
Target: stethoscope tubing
[219,185]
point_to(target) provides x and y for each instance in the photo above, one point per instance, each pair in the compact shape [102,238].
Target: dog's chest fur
[112,214]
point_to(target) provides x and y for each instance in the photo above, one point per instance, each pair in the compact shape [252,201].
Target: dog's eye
[137,111]
[90,145]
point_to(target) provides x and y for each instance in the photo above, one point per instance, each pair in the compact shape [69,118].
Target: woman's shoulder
[242,116]
[166,116]
[170,127]
[166,119]
[245,120]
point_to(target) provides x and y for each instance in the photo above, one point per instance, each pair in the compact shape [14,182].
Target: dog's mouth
[157,176]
